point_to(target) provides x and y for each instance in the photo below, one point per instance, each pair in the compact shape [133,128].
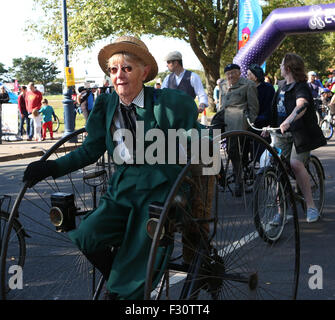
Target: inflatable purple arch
[281,23]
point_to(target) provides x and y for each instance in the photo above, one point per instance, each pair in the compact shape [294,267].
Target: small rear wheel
[317,181]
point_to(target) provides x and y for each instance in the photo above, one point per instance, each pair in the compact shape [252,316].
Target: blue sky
[16,43]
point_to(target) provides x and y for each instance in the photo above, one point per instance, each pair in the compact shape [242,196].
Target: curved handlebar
[269,129]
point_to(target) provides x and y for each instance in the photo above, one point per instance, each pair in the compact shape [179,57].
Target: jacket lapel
[146,114]
[112,104]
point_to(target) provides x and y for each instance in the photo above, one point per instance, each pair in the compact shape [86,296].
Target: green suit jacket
[164,109]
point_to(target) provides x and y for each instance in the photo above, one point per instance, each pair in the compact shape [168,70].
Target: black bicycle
[270,198]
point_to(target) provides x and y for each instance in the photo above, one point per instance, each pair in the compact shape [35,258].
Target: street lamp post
[69,116]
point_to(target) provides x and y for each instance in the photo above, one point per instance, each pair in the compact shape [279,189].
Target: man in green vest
[120,219]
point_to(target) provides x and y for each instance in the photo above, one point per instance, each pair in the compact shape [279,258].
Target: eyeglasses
[170,61]
[114,70]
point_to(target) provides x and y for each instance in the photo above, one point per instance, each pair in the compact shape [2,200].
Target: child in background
[37,124]
[47,113]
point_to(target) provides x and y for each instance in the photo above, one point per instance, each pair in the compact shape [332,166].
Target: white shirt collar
[180,75]
[138,100]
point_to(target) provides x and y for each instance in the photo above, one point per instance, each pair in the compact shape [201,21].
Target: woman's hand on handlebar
[284,126]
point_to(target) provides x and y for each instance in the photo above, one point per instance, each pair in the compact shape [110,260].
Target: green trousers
[120,221]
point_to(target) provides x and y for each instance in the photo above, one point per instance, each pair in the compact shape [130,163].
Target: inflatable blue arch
[281,23]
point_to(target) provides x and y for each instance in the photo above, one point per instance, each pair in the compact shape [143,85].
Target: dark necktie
[129,117]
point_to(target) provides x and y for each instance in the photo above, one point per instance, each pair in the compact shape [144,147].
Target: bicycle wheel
[317,180]
[228,258]
[54,268]
[178,226]
[16,249]
[55,124]
[269,200]
[327,129]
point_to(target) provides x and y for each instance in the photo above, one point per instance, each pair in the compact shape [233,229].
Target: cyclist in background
[326,96]
[314,85]
[300,131]
[265,93]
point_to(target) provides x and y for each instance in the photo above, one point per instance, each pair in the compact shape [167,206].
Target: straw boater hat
[131,45]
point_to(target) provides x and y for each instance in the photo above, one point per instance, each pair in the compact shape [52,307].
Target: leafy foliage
[33,69]
[207,25]
[3,72]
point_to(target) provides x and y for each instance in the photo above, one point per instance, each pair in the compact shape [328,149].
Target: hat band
[130,42]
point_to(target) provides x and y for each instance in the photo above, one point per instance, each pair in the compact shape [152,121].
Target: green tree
[207,25]
[33,69]
[3,72]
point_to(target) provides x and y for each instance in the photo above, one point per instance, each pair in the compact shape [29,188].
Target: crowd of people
[35,112]
[238,98]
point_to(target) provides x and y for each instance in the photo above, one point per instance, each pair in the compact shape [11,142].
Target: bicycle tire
[317,180]
[236,263]
[54,267]
[269,200]
[55,124]
[17,246]
[327,129]
[318,117]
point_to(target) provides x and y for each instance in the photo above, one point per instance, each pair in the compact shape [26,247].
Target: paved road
[317,240]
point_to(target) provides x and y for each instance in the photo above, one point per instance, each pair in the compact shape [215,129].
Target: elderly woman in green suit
[120,219]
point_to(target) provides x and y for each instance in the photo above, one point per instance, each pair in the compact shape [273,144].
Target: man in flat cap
[238,99]
[184,80]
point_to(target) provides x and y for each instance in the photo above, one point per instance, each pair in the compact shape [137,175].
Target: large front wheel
[230,257]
